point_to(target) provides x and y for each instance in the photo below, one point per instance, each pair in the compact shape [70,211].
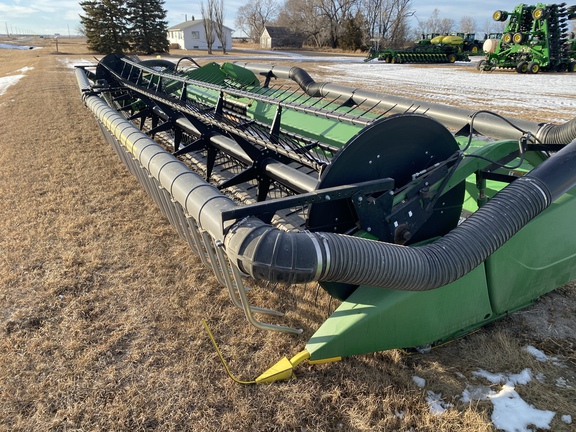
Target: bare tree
[304,17]
[335,12]
[491,26]
[446,25]
[435,24]
[467,24]
[387,20]
[432,24]
[254,15]
[219,23]
[208,18]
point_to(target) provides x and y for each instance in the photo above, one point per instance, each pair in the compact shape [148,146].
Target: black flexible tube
[271,254]
[305,81]
[558,134]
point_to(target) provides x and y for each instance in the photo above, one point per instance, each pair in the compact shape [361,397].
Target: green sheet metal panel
[538,259]
[376,319]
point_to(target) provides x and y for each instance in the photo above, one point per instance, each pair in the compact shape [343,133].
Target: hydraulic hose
[268,253]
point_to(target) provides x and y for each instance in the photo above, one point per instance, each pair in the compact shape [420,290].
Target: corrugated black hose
[268,253]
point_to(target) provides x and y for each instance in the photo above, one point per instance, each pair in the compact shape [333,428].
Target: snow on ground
[436,404]
[420,382]
[73,63]
[511,413]
[463,85]
[17,47]
[7,81]
[537,354]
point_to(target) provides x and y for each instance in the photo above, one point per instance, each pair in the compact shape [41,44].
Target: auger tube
[271,254]
[204,202]
[451,117]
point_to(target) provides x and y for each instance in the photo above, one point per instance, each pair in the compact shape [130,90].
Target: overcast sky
[61,16]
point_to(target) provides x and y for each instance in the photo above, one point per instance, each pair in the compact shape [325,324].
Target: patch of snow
[18,47]
[523,377]
[447,84]
[10,80]
[437,406]
[475,393]
[73,63]
[536,353]
[567,419]
[420,382]
[512,414]
[494,378]
[562,383]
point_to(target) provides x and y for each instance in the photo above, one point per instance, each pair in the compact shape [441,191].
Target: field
[101,303]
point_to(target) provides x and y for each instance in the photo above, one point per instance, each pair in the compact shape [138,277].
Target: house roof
[276,32]
[192,23]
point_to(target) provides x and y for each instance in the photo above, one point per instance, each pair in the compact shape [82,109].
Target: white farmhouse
[191,35]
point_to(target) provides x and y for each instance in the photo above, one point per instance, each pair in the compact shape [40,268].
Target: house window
[195,35]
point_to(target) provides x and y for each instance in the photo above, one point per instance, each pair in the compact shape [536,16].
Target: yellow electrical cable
[222,357]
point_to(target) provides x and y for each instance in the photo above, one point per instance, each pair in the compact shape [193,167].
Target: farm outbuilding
[191,35]
[280,37]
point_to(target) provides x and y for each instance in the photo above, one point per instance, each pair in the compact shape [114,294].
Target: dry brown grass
[101,307]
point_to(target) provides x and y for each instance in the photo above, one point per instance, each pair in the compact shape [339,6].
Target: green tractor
[426,38]
[470,43]
[535,38]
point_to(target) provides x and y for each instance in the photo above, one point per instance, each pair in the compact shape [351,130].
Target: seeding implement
[535,38]
[439,49]
[402,210]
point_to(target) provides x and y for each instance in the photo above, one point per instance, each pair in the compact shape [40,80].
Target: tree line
[140,25]
[349,24]
[124,25]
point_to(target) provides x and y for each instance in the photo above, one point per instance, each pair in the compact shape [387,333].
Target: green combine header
[535,38]
[424,221]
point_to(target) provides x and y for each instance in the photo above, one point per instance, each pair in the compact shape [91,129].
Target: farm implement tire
[500,15]
[485,66]
[539,13]
[518,38]
[507,38]
[522,67]
[533,68]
